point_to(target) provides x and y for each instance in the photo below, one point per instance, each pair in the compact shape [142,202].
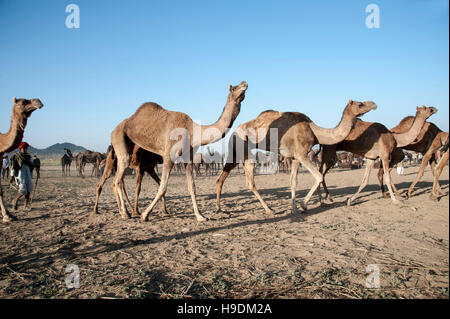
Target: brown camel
[428,143]
[141,161]
[66,160]
[372,141]
[158,130]
[89,157]
[297,134]
[436,191]
[9,141]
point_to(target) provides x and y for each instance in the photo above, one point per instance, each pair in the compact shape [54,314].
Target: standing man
[22,164]
[5,167]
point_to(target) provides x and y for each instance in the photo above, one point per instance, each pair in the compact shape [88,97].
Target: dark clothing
[18,160]
[37,165]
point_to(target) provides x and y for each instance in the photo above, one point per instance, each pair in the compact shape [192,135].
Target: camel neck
[13,137]
[409,136]
[206,134]
[339,133]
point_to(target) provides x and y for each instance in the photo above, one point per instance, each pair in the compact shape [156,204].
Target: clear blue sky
[306,56]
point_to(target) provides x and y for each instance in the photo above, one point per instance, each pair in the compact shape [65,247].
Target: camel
[372,141]
[93,158]
[141,161]
[297,134]
[171,135]
[21,111]
[198,161]
[284,164]
[428,143]
[438,170]
[66,160]
[214,159]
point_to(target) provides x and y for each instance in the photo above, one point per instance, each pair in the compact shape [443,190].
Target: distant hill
[55,149]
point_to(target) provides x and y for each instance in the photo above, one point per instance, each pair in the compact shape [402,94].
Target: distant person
[5,167]
[37,165]
[22,164]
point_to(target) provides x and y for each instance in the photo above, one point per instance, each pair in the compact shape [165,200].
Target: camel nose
[244,85]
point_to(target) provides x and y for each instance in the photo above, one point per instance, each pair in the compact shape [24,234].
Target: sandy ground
[240,253]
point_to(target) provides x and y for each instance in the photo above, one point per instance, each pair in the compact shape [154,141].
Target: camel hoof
[124,216]
[349,202]
[385,196]
[9,218]
[202,219]
[304,206]
[434,198]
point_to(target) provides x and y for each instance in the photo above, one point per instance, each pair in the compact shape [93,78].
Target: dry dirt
[244,253]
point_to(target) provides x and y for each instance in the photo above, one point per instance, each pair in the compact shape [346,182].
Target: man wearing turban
[22,165]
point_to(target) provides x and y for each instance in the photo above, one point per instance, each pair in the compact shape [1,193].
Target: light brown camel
[66,160]
[436,191]
[9,141]
[372,141]
[428,143]
[141,161]
[158,130]
[297,134]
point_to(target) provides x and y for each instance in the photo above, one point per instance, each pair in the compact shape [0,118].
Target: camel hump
[404,125]
[151,106]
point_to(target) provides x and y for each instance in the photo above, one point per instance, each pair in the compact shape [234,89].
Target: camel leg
[123,160]
[369,165]
[380,180]
[387,176]
[220,180]
[433,171]
[140,174]
[167,167]
[380,175]
[306,162]
[293,180]
[127,199]
[7,217]
[323,169]
[427,158]
[191,189]
[249,169]
[437,173]
[158,181]
[106,174]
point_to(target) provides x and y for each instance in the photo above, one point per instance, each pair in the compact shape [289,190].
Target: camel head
[357,108]
[24,107]
[237,93]
[426,111]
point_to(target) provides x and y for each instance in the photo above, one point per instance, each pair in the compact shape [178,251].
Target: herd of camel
[145,139]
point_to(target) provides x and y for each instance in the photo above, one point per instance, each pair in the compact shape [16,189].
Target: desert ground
[239,253]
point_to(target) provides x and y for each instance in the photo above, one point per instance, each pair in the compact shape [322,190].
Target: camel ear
[14,100]
[350,101]
[229,87]
[417,108]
